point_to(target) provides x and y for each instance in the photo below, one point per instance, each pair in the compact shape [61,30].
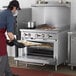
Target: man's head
[13,6]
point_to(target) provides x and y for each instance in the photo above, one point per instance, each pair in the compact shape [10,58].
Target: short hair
[12,4]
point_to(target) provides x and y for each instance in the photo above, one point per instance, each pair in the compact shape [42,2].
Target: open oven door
[34,60]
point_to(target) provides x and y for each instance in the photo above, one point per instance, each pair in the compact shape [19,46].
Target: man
[7,24]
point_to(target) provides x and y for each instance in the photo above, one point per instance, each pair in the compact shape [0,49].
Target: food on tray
[29,43]
[45,26]
[46,45]
[36,44]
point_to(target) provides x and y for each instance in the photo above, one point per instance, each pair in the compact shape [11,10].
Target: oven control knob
[43,35]
[37,35]
[49,36]
[25,34]
[29,34]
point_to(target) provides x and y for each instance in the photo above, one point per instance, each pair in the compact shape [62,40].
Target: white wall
[3,3]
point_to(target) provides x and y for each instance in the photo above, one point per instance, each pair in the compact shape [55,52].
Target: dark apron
[3,49]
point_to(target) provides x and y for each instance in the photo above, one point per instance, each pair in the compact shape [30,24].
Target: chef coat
[6,24]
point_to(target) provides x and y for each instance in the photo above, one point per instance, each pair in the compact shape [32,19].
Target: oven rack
[40,55]
[41,47]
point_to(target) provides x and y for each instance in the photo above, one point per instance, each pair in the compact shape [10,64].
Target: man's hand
[14,41]
[9,43]
[18,44]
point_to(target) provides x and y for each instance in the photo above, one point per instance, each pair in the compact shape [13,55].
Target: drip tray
[35,59]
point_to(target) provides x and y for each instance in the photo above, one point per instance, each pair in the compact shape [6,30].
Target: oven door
[43,54]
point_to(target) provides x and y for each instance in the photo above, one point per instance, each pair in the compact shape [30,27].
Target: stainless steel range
[53,38]
[53,51]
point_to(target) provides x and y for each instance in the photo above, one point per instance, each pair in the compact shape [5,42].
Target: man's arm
[11,36]
[13,41]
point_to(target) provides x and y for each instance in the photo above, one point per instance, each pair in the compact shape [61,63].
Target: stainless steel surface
[35,59]
[72,48]
[53,4]
[23,17]
[58,16]
[73,15]
[40,35]
[57,38]
[69,46]
[31,25]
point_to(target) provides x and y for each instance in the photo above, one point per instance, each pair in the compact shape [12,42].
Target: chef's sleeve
[10,23]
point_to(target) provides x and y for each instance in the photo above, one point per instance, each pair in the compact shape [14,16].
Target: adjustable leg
[55,67]
[17,62]
[71,67]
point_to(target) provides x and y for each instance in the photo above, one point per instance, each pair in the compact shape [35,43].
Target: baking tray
[36,44]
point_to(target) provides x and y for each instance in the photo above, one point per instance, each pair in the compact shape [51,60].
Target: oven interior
[45,50]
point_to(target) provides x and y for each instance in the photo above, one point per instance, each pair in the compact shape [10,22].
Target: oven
[49,47]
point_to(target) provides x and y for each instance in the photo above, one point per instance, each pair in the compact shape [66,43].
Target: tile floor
[61,68]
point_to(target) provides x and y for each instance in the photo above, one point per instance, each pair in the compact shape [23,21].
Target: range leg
[56,68]
[26,65]
[17,62]
[71,67]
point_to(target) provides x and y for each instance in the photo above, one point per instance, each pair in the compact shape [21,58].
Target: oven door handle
[54,40]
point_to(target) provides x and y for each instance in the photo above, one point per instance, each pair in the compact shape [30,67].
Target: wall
[26,3]
[73,15]
[3,3]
